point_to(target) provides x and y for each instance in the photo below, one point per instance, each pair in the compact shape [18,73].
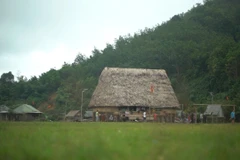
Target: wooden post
[195,115]
[148,114]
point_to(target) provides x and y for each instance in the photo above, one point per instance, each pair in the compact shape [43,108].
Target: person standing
[232,115]
[110,118]
[192,118]
[144,116]
[201,117]
[97,116]
[155,117]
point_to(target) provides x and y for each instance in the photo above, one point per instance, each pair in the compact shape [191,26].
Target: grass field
[110,141]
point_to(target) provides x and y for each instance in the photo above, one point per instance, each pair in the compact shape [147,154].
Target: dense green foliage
[200,50]
[129,141]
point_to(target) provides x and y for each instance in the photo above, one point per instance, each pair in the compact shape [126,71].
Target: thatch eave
[160,107]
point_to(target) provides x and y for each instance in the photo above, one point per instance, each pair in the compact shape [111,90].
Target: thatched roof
[215,110]
[25,108]
[72,113]
[134,87]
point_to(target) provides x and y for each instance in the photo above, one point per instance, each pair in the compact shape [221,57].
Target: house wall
[3,116]
[27,117]
[73,118]
[214,119]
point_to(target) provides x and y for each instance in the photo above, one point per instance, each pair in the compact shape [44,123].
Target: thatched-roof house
[73,115]
[214,113]
[132,91]
[26,112]
[4,113]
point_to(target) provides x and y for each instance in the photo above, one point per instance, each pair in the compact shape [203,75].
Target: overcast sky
[37,35]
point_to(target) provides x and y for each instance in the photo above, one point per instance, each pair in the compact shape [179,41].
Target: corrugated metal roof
[25,108]
[4,109]
[88,114]
[72,113]
[215,110]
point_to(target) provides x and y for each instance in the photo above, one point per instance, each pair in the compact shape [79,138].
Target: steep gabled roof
[134,87]
[25,108]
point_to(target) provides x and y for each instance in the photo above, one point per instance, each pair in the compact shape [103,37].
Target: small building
[125,93]
[214,113]
[26,112]
[88,115]
[73,116]
[4,113]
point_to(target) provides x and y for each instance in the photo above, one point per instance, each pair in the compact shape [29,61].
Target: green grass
[110,141]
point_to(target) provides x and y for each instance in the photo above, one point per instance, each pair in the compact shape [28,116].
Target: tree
[80,58]
[7,78]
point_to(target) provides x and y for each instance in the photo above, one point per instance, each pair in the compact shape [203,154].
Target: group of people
[232,116]
[98,116]
[111,117]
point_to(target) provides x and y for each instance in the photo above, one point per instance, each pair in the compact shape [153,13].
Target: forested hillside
[200,50]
